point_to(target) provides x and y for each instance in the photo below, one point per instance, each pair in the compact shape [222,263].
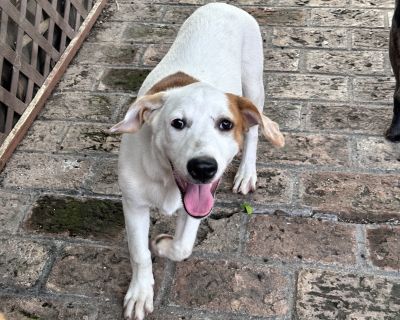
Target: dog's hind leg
[139,298]
[253,89]
[180,246]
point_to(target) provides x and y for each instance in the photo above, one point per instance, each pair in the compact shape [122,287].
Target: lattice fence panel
[33,35]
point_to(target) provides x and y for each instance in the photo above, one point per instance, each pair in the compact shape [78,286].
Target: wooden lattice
[33,36]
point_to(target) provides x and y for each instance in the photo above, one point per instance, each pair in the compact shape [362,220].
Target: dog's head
[199,129]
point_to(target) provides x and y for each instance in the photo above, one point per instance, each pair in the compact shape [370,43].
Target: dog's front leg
[246,177]
[180,246]
[139,298]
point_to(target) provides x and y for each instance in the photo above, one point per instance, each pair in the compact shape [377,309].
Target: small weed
[247,208]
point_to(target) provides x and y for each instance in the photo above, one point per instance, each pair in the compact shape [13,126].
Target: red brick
[307,149]
[21,262]
[273,186]
[230,287]
[329,295]
[36,170]
[349,118]
[384,247]
[94,271]
[301,239]
[355,197]
[23,308]
[278,16]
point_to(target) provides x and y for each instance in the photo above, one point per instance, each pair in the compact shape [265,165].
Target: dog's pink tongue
[198,199]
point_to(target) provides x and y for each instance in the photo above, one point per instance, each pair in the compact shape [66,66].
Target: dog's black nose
[202,169]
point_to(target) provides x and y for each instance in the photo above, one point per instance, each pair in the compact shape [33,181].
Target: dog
[393,133]
[195,111]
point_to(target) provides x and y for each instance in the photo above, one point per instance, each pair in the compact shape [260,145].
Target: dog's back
[218,36]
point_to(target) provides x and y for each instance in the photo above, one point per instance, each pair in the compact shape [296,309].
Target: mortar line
[268,97]
[305,114]
[267,36]
[169,42]
[296,190]
[303,72]
[57,248]
[38,192]
[361,251]
[352,152]
[117,114]
[166,283]
[51,240]
[142,54]
[292,295]
[217,315]
[89,181]
[33,196]
[103,126]
[51,296]
[242,234]
[303,60]
[164,12]
[21,230]
[290,265]
[276,5]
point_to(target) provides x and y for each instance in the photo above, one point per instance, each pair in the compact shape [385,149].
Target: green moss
[120,54]
[29,315]
[99,101]
[395,290]
[102,141]
[149,32]
[100,105]
[125,79]
[97,136]
[88,218]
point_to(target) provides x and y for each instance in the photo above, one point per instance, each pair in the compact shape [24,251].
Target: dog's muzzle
[198,198]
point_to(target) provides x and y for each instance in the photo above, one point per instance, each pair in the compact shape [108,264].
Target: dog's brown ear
[139,112]
[252,116]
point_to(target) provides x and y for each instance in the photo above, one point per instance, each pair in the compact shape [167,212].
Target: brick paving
[324,241]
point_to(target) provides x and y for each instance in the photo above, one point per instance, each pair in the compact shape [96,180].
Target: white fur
[221,46]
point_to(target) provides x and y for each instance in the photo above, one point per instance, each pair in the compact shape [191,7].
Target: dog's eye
[225,125]
[178,124]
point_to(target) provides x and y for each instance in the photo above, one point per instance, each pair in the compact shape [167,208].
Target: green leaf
[247,208]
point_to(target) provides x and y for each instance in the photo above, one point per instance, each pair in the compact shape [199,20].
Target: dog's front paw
[245,179]
[138,300]
[163,246]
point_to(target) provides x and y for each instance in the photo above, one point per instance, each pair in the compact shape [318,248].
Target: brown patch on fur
[247,115]
[176,80]
[236,105]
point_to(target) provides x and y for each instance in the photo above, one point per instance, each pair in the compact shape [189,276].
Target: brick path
[324,242]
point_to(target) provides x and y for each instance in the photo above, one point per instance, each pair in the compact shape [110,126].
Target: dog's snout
[202,169]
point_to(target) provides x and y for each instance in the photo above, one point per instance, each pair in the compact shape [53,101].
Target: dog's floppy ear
[139,112]
[252,116]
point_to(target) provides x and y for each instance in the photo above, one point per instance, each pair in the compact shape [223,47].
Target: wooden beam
[33,109]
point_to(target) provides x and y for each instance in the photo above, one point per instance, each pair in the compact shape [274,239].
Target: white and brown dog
[189,122]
